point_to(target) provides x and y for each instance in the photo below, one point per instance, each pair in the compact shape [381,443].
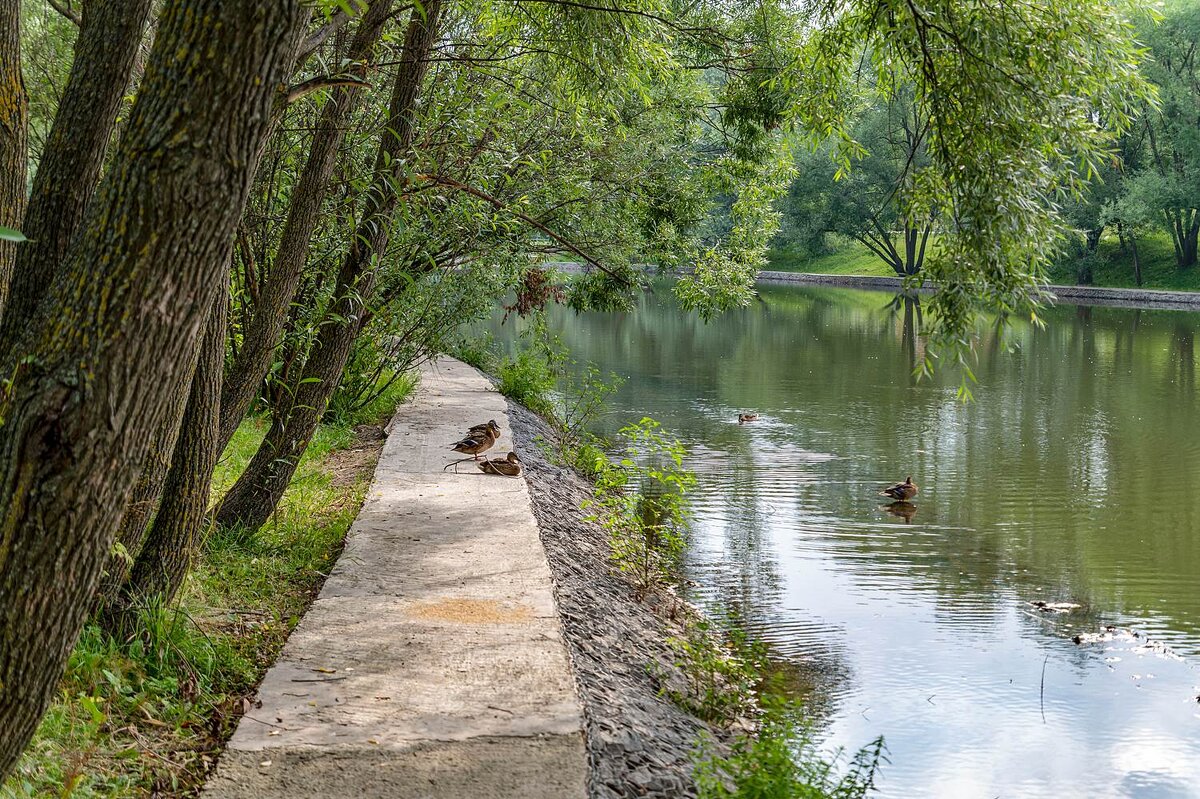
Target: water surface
[1072,477]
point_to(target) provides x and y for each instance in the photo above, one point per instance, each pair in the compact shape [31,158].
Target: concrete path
[432,663]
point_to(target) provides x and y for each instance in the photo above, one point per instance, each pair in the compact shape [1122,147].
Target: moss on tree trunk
[120,327]
[14,137]
[109,37]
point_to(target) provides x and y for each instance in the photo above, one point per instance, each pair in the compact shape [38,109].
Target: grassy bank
[148,717]
[1110,267]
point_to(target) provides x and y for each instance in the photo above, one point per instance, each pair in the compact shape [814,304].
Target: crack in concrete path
[432,664]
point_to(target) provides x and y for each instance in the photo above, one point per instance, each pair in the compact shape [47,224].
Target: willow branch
[500,205]
[311,85]
[67,11]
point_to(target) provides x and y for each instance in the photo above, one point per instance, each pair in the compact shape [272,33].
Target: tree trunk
[164,558]
[1137,262]
[1189,234]
[109,38]
[14,137]
[271,309]
[139,508]
[120,326]
[256,494]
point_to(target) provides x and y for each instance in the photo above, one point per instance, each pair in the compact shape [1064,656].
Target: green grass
[780,761]
[1112,268]
[1115,268]
[851,259]
[148,717]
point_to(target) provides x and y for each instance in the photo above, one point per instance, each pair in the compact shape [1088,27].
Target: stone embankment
[1081,295]
[639,743]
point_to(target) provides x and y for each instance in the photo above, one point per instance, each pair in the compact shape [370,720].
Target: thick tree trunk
[120,326]
[139,508]
[254,497]
[271,309]
[109,38]
[14,137]
[164,558]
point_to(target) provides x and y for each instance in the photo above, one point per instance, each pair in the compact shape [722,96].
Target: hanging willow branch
[500,205]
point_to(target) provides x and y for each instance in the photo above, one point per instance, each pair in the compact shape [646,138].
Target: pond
[1071,478]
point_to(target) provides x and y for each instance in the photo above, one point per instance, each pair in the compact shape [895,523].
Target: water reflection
[905,510]
[1069,479]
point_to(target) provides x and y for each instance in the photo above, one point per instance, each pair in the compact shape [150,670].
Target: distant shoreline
[1155,299]
[1074,295]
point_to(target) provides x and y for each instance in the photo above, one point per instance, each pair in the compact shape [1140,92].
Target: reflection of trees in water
[1183,357]
[747,580]
[908,308]
[1074,462]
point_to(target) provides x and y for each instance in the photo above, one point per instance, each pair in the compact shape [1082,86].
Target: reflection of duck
[905,510]
[509,466]
[901,491]
[747,417]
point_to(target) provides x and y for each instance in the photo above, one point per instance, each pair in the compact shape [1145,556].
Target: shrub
[779,761]
[640,501]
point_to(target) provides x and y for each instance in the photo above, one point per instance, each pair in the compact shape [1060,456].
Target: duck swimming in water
[901,491]
[747,417]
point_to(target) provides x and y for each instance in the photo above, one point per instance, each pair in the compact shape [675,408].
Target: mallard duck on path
[489,425]
[477,442]
[902,491]
[508,466]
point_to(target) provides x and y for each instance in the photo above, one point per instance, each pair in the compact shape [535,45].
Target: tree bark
[139,508]
[1137,261]
[120,326]
[165,556]
[109,38]
[271,308]
[256,494]
[14,137]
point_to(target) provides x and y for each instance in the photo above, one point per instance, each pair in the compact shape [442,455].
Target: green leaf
[10,234]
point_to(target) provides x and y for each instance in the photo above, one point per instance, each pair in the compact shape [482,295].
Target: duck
[490,424]
[747,417]
[508,466]
[478,442]
[901,491]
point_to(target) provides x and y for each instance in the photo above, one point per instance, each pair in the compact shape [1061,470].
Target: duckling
[476,443]
[747,417]
[901,491]
[509,466]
